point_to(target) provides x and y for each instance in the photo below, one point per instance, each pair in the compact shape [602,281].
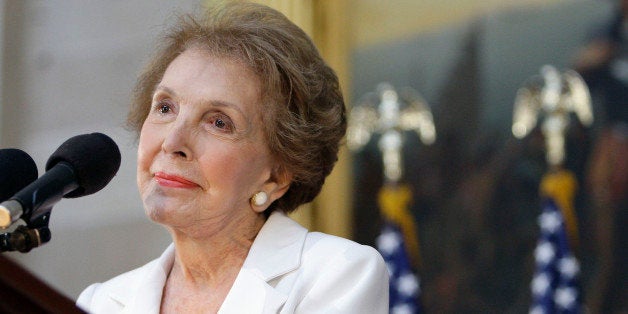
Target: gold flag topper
[389,113]
[554,95]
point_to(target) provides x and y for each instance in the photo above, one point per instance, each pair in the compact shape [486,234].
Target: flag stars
[408,285]
[403,309]
[540,284]
[388,242]
[544,253]
[555,285]
[404,283]
[565,297]
[550,222]
[568,266]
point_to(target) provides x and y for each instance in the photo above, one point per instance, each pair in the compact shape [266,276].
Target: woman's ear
[274,188]
[278,183]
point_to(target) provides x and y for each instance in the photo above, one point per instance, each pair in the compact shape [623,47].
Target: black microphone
[81,166]
[17,170]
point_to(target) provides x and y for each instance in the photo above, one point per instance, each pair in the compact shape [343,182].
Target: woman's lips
[174,181]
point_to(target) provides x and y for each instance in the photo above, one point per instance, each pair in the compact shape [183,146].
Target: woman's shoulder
[112,289]
[122,287]
[318,244]
[337,275]
[315,247]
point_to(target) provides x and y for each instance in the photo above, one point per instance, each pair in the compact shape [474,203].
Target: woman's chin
[161,211]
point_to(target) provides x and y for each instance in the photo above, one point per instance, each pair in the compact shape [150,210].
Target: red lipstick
[173,181]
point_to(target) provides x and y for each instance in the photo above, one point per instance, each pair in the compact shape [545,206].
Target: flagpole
[390,113]
[554,96]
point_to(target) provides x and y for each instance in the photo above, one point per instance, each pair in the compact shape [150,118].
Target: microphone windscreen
[17,170]
[95,159]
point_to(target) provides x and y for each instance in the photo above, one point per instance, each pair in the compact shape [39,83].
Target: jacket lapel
[250,294]
[276,251]
[146,297]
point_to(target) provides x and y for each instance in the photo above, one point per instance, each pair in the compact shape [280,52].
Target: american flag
[555,282]
[404,284]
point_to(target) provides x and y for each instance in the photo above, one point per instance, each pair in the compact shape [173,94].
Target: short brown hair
[303,111]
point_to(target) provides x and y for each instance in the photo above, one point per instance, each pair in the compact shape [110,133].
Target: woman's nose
[177,140]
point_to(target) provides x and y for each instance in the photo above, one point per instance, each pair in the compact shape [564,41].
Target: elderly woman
[239,123]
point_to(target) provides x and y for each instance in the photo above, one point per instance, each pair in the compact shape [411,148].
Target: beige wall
[375,21]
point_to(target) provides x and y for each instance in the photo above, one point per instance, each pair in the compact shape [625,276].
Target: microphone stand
[26,237]
[20,290]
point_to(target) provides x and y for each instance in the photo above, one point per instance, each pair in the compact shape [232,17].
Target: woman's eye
[163,108]
[222,123]
[162,111]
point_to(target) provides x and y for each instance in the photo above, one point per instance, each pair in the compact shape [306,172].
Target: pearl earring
[259,198]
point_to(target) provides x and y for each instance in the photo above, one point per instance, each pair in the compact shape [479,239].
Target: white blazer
[287,270]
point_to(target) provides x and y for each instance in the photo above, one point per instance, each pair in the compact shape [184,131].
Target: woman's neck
[206,251]
[206,264]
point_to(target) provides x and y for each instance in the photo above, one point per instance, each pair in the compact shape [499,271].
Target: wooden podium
[22,292]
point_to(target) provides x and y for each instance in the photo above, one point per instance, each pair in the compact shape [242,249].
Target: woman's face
[202,153]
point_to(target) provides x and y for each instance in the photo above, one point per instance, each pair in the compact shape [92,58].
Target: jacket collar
[277,248]
[275,252]
[144,296]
